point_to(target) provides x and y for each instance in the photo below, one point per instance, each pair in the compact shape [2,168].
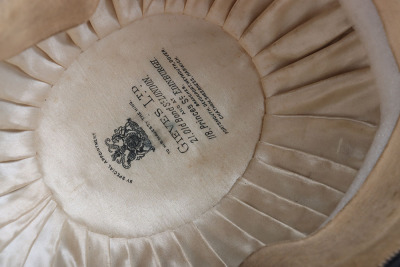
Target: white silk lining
[322,116]
[386,71]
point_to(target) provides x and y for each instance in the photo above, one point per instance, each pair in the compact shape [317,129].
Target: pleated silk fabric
[321,115]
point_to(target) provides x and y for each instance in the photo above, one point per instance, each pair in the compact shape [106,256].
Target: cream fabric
[278,19]
[20,88]
[104,20]
[35,63]
[83,35]
[316,168]
[322,112]
[387,75]
[219,11]
[127,11]
[343,56]
[60,49]
[101,93]
[332,23]
[174,6]
[333,97]
[151,7]
[197,8]
[242,14]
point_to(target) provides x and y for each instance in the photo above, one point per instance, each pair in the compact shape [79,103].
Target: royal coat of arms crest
[129,142]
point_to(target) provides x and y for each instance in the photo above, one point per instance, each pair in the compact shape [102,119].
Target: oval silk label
[151,126]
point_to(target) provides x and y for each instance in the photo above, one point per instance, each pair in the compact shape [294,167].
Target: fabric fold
[224,237]
[23,242]
[17,174]
[294,187]
[168,250]
[15,145]
[351,95]
[44,247]
[98,249]
[22,201]
[10,231]
[322,113]
[343,141]
[319,169]
[305,39]
[175,6]
[278,19]
[345,55]
[128,10]
[36,64]
[141,252]
[60,48]
[71,250]
[18,117]
[16,86]
[261,226]
[119,254]
[195,247]
[104,20]
[198,8]
[145,5]
[242,14]
[152,7]
[297,216]
[219,11]
[83,35]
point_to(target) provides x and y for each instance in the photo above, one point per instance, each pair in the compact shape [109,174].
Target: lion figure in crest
[128,143]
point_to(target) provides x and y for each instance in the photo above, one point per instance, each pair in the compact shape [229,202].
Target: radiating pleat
[261,226]
[316,168]
[196,249]
[343,56]
[142,253]
[343,141]
[168,250]
[71,250]
[16,145]
[303,40]
[351,95]
[174,6]
[198,8]
[21,201]
[22,243]
[145,5]
[288,212]
[18,117]
[83,35]
[289,188]
[152,7]
[60,48]
[11,230]
[278,19]
[17,174]
[242,14]
[294,187]
[36,63]
[98,250]
[219,11]
[44,248]
[104,20]
[119,254]
[20,88]
[128,10]
[231,243]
